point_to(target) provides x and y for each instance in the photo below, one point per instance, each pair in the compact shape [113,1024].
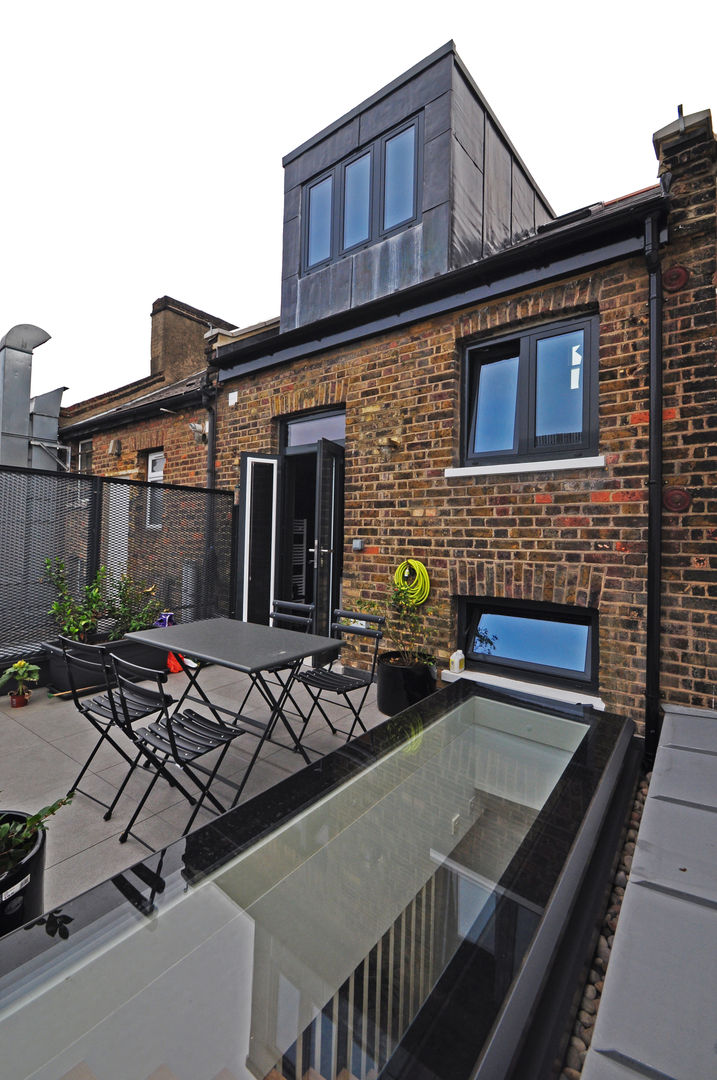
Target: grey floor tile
[677,848]
[685,729]
[14,736]
[685,775]
[662,966]
[34,776]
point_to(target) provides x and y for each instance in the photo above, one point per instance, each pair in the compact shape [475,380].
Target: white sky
[142,141]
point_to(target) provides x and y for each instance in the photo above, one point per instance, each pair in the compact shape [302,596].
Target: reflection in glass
[544,642]
[320,221]
[399,178]
[305,432]
[559,388]
[496,406]
[357,186]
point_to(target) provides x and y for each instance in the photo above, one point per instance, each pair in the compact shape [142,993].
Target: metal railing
[178,539]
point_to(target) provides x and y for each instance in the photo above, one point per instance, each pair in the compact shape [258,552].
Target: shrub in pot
[132,606]
[406,673]
[22,864]
[23,672]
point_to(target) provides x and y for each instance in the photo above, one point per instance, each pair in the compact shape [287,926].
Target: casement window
[84,456]
[155,495]
[532,396]
[363,198]
[549,643]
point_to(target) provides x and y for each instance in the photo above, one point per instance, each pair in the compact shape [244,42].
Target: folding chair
[90,666]
[285,615]
[324,680]
[177,739]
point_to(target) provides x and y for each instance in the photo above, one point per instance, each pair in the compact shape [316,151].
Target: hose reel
[412,576]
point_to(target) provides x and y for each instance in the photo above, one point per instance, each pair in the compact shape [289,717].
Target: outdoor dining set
[131,709]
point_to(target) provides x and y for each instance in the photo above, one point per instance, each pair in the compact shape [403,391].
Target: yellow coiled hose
[418,586]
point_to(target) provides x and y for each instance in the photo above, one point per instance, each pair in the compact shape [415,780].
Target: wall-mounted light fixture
[199,431]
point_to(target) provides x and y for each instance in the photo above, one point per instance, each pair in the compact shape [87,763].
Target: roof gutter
[653,712]
[142,411]
[535,262]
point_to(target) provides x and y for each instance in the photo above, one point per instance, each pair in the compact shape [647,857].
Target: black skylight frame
[376,149]
[524,345]
[525,671]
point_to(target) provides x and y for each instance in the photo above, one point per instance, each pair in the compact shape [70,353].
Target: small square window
[533,396]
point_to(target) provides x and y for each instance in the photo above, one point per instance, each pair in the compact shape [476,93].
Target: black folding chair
[92,684]
[285,615]
[179,739]
[324,680]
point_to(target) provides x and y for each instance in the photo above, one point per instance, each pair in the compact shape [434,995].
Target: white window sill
[500,682]
[527,467]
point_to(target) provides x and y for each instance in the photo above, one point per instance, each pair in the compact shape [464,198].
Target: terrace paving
[657,1013]
[43,746]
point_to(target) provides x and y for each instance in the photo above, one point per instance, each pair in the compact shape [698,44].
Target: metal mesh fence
[177,539]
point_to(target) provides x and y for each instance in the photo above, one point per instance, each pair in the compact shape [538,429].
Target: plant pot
[400,685]
[21,887]
[134,651]
[18,701]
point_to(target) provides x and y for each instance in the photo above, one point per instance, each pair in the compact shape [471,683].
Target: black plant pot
[400,685]
[21,887]
[134,651]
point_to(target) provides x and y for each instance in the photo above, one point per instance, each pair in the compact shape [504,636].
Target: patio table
[250,648]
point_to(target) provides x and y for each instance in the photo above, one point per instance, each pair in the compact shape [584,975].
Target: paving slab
[677,848]
[685,776]
[697,731]
[658,1013]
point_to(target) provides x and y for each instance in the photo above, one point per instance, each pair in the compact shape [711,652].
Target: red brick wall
[690,455]
[577,536]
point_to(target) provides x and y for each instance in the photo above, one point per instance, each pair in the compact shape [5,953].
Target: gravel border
[592,991]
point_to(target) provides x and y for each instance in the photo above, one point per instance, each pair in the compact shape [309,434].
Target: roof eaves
[448,291]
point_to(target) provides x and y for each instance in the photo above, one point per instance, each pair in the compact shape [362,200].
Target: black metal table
[246,647]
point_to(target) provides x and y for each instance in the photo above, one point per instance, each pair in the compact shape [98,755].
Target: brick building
[141,431]
[525,403]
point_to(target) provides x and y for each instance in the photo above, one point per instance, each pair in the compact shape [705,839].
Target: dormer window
[363,198]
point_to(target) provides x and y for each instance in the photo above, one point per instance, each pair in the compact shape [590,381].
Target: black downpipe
[209,402]
[653,714]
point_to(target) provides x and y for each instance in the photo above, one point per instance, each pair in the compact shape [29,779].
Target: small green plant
[24,673]
[405,630]
[18,837]
[133,608]
[77,619]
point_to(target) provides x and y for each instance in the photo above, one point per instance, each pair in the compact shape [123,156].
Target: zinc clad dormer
[418,180]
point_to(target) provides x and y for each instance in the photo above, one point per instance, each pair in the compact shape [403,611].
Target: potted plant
[406,673]
[100,614]
[23,672]
[22,864]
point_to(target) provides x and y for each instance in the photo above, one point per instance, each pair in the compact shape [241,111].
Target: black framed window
[533,395]
[364,197]
[545,642]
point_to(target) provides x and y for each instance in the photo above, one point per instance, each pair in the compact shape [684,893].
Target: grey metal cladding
[292,203]
[313,161]
[291,247]
[289,292]
[469,119]
[523,205]
[407,99]
[467,232]
[437,171]
[497,196]
[435,237]
[324,292]
[437,116]
[383,268]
